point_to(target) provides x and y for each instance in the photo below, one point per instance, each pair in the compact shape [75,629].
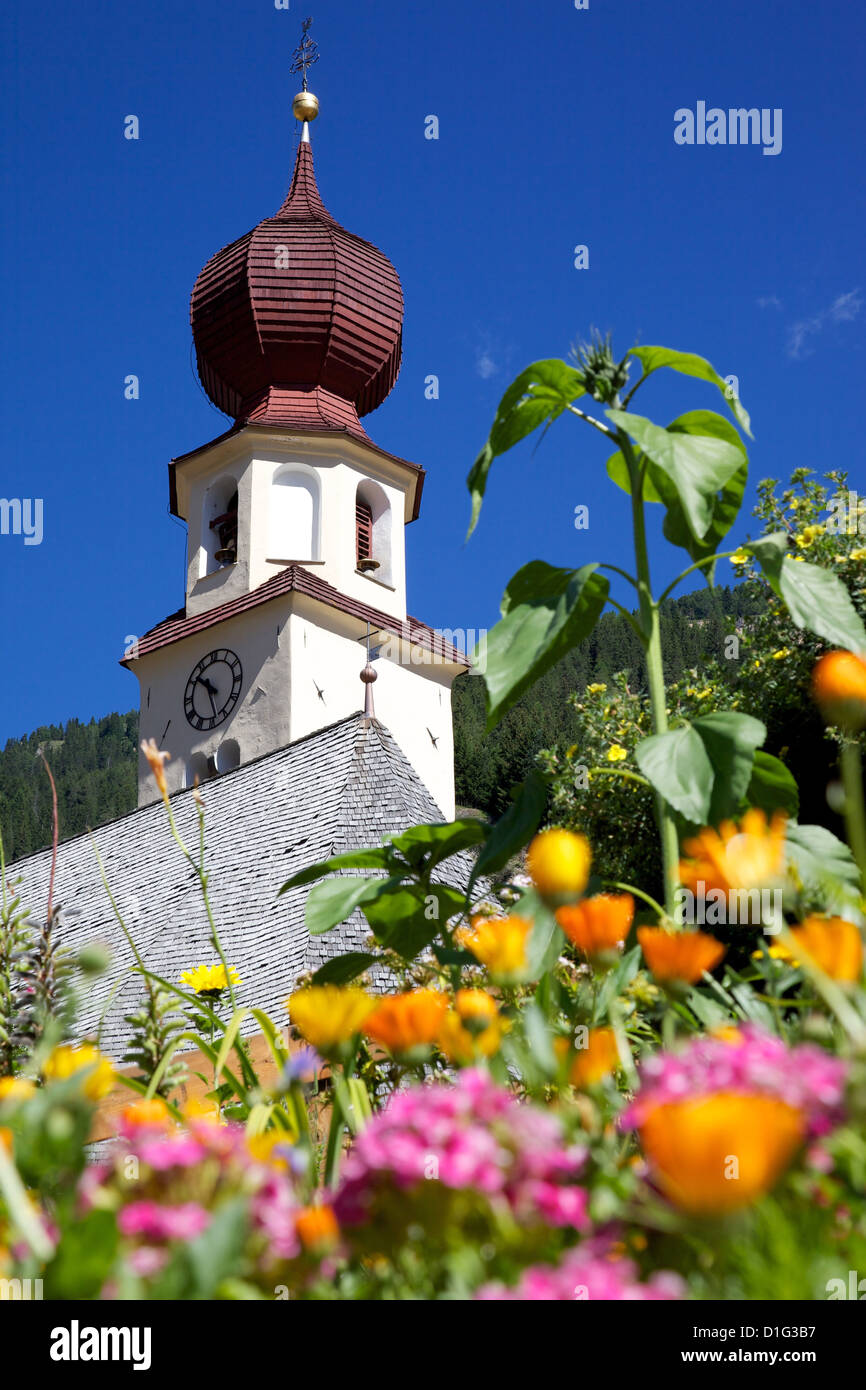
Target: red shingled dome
[299,322]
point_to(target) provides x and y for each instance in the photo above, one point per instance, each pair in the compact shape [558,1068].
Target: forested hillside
[95,764]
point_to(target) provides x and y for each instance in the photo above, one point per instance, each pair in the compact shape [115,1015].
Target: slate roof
[341,788]
[296,579]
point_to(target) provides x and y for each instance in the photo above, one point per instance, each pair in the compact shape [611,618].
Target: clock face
[213,689]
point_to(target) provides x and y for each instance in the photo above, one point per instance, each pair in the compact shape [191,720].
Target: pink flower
[156,1222]
[174,1151]
[585,1274]
[753,1063]
[147,1260]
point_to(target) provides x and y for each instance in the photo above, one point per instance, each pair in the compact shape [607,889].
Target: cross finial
[306,53]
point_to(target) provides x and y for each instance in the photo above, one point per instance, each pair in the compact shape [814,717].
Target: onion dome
[299,323]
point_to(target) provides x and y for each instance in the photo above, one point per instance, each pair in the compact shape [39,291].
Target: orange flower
[839,688]
[317,1227]
[712,1154]
[145,1114]
[16,1088]
[472,1028]
[157,760]
[598,1059]
[834,945]
[752,856]
[403,1021]
[679,956]
[497,942]
[598,924]
[558,863]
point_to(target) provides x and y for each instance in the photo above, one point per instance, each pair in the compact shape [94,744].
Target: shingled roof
[341,788]
[296,579]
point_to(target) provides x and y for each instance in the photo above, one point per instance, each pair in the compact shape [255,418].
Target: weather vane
[306,53]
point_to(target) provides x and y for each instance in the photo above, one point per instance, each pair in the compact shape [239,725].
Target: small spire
[368,676]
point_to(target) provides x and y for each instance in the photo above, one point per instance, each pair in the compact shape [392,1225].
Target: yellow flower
[834,945]
[781,654]
[497,942]
[598,1059]
[209,979]
[403,1021]
[858,554]
[597,688]
[712,1154]
[679,957]
[16,1088]
[616,753]
[777,952]
[271,1147]
[157,760]
[752,856]
[740,557]
[558,863]
[808,535]
[66,1061]
[327,1015]
[472,1028]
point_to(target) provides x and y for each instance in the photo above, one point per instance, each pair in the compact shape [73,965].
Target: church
[296,696]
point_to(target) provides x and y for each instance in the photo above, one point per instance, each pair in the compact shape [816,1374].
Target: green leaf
[356,859]
[726,504]
[342,970]
[218,1251]
[697,466]
[820,856]
[690,364]
[513,829]
[772,787]
[678,766]
[730,739]
[83,1259]
[538,396]
[546,943]
[335,899]
[408,917]
[546,612]
[428,845]
[820,601]
[617,471]
[616,982]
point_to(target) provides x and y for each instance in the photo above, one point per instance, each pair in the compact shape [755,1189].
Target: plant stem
[855,812]
[655,669]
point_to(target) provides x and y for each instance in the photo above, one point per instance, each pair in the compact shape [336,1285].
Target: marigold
[558,862]
[327,1015]
[680,957]
[403,1021]
[209,979]
[729,858]
[715,1153]
[472,1028]
[598,924]
[834,945]
[157,760]
[598,1059]
[497,942]
[317,1227]
[16,1088]
[839,688]
[66,1061]
[145,1114]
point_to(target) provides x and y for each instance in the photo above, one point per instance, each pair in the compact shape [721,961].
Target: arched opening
[373,531]
[228,755]
[293,516]
[199,769]
[219,538]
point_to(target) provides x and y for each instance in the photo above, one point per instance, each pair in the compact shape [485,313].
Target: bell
[226,556]
[366,566]
[305,106]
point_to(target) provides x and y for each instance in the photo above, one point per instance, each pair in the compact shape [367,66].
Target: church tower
[296,519]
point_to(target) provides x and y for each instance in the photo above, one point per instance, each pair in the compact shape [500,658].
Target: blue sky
[556,129]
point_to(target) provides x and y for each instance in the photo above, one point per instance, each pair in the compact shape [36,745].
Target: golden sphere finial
[305,106]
